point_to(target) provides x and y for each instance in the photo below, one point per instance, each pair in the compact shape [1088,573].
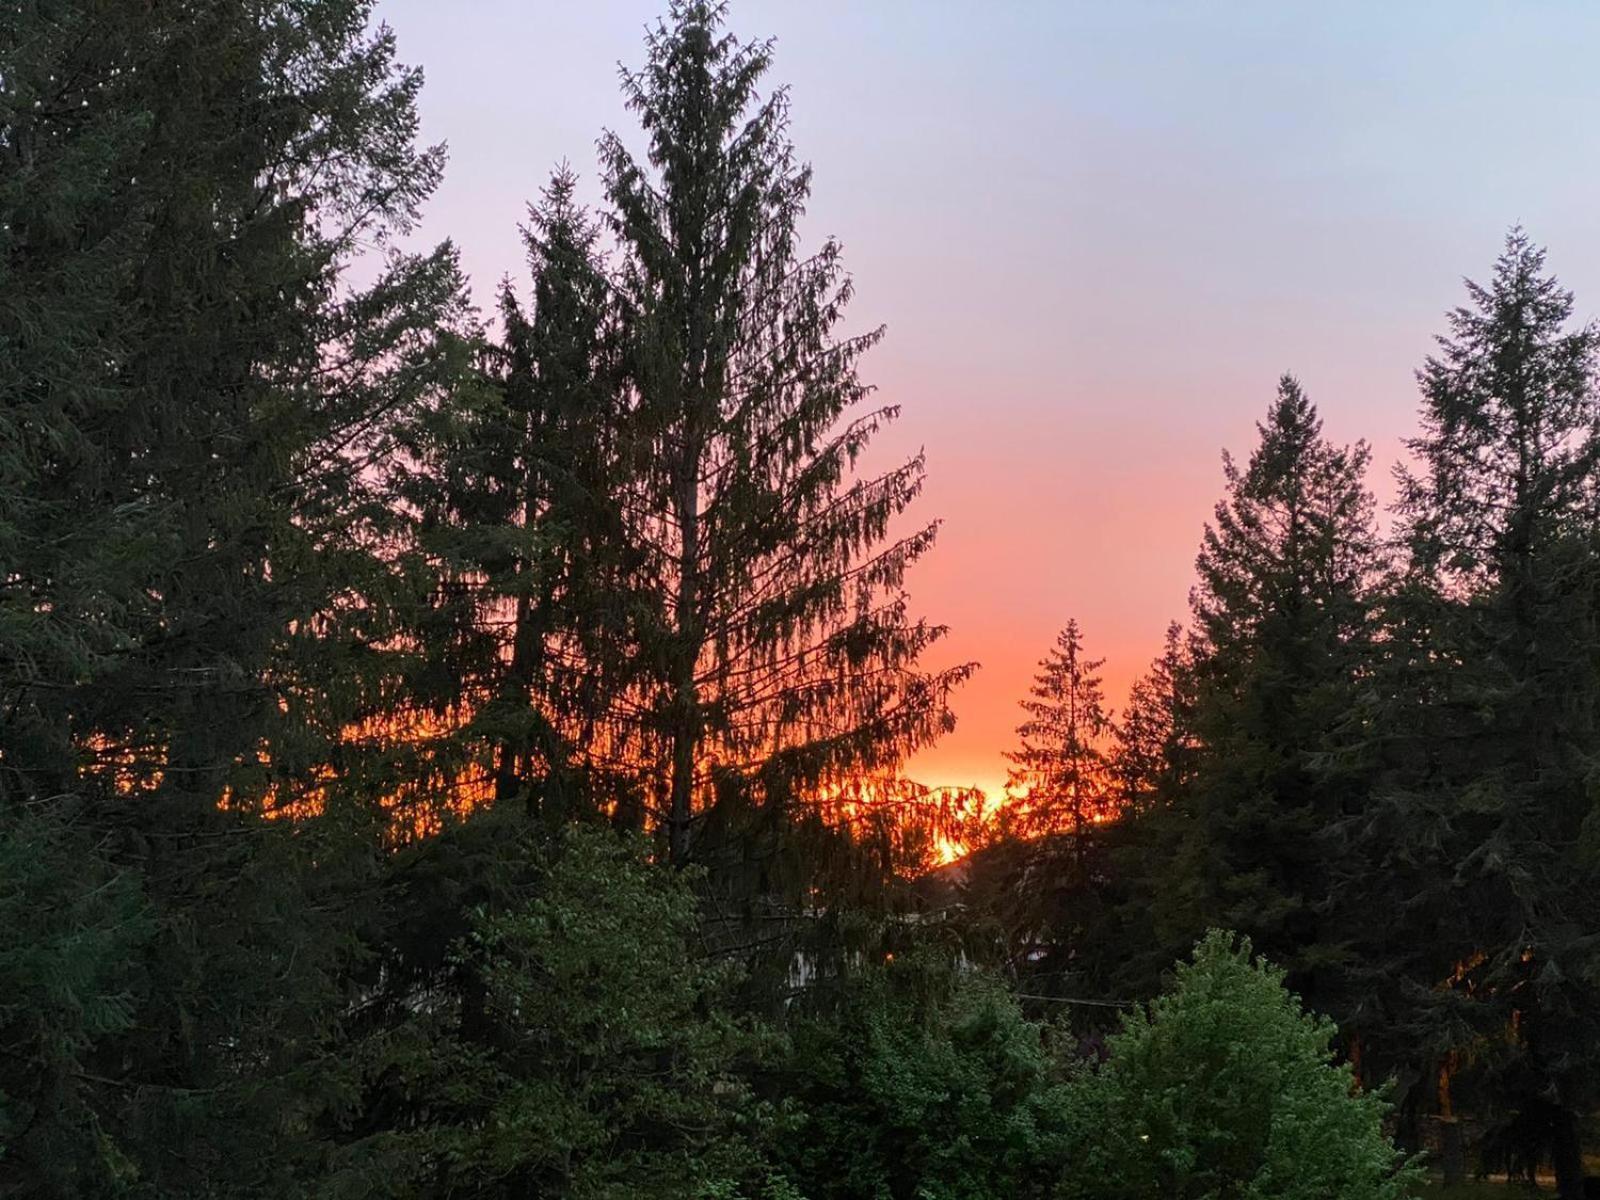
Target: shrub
[925,1081]
[1225,1087]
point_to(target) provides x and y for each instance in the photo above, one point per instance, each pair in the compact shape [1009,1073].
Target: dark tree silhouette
[1484,723]
[193,397]
[1152,759]
[782,663]
[1282,626]
[1060,781]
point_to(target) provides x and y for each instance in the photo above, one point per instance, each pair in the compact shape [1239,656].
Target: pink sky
[1097,234]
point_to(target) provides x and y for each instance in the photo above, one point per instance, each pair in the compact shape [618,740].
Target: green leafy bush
[923,1080]
[1227,1088]
[578,1044]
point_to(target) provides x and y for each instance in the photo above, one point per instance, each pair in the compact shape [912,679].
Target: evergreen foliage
[1224,1086]
[1282,632]
[513,487]
[922,1080]
[1042,878]
[191,398]
[444,757]
[1060,780]
[1152,758]
[780,663]
[573,1041]
[1482,843]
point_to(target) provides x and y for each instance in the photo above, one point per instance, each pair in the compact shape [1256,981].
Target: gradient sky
[1097,233]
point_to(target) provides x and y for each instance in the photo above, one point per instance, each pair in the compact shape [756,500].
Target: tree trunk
[1567,1151]
[527,648]
[1452,1152]
[686,722]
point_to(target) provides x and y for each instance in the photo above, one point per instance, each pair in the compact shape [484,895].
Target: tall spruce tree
[515,484]
[780,660]
[1152,756]
[1483,842]
[1282,623]
[571,632]
[1060,781]
[188,571]
[1153,759]
[1041,875]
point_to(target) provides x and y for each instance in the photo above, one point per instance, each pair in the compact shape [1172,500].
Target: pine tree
[190,580]
[1282,624]
[1042,875]
[780,663]
[572,633]
[557,1033]
[1060,782]
[1152,758]
[515,483]
[1482,844]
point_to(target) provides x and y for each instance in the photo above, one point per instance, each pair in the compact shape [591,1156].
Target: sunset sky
[1097,234]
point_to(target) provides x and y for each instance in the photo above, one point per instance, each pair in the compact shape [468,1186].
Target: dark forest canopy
[446,754]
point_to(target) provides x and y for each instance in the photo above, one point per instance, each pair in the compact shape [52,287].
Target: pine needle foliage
[781,660]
